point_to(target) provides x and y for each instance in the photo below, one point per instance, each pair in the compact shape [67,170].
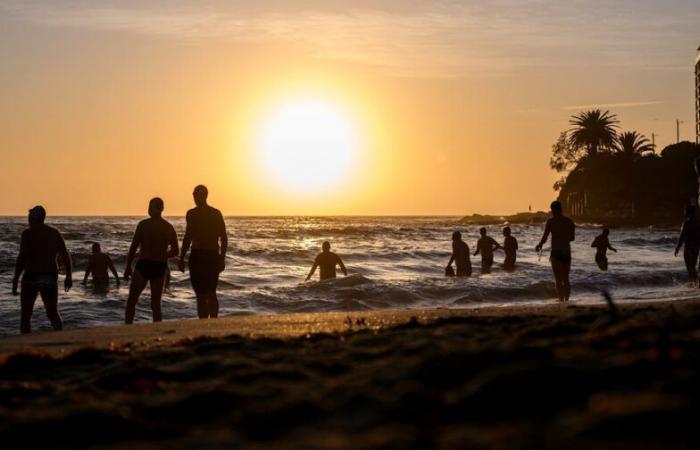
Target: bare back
[39,249]
[205,225]
[156,238]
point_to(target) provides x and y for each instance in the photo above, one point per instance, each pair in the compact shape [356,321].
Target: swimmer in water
[327,261]
[602,244]
[510,247]
[563,232]
[460,255]
[689,239]
[486,246]
[98,265]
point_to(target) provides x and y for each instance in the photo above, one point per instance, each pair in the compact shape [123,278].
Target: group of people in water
[155,242]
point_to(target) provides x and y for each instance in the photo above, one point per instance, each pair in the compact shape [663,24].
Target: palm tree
[593,130]
[633,144]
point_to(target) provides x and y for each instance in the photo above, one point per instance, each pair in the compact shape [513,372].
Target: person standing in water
[460,255]
[98,264]
[510,247]
[563,232]
[39,248]
[486,246]
[689,239]
[156,241]
[206,232]
[327,260]
[602,244]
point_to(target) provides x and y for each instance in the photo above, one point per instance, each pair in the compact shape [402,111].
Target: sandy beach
[549,377]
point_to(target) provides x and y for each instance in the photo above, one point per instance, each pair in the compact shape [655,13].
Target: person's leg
[566,271]
[138,283]
[213,305]
[28,295]
[49,296]
[157,285]
[556,269]
[202,305]
[691,258]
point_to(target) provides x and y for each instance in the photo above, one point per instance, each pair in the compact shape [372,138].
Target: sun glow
[307,144]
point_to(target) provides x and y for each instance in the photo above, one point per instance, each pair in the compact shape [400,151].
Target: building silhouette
[697,97]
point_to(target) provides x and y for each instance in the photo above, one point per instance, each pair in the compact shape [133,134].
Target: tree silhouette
[593,130]
[633,145]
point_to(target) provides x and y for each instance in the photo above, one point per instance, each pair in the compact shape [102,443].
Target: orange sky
[456,104]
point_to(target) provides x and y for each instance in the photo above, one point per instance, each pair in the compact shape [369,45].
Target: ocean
[393,262]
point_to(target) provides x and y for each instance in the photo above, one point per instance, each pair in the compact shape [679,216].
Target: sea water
[393,262]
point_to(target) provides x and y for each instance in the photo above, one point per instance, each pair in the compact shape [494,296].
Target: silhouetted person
[98,265]
[156,240]
[563,232]
[602,244]
[689,239]
[205,229]
[39,249]
[327,260]
[510,247]
[460,255]
[486,246]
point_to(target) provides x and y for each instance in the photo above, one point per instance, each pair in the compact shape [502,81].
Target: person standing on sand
[486,246]
[327,260]
[510,247]
[460,255]
[38,251]
[157,241]
[205,229]
[563,232]
[98,264]
[602,244]
[690,240]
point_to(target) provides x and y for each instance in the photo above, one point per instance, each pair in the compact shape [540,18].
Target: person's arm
[313,269]
[516,243]
[88,269]
[21,261]
[174,246]
[610,247]
[223,238]
[113,269]
[135,244]
[573,232]
[681,240]
[545,236]
[65,257]
[342,266]
[496,245]
[478,248]
[452,258]
[186,242]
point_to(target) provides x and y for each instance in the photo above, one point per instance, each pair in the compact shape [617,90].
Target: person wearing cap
[204,231]
[37,264]
[327,260]
[156,240]
[563,232]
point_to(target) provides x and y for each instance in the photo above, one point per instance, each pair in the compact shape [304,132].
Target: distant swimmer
[486,246]
[460,255]
[689,239]
[602,244]
[327,260]
[156,240]
[39,249]
[563,232]
[98,265]
[510,247]
[206,232]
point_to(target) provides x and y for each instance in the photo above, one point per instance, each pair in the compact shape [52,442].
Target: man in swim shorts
[563,232]
[39,249]
[460,255]
[156,241]
[602,244]
[98,265]
[486,246]
[206,232]
[689,239]
[327,260]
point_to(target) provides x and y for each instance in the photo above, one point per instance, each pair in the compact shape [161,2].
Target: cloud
[612,105]
[409,38]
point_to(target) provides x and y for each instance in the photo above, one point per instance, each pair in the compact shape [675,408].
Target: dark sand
[550,377]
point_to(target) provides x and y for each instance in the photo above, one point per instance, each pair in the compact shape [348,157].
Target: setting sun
[307,144]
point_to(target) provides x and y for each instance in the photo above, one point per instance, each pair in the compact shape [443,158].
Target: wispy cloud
[612,105]
[421,39]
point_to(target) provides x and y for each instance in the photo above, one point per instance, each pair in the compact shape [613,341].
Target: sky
[454,105]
